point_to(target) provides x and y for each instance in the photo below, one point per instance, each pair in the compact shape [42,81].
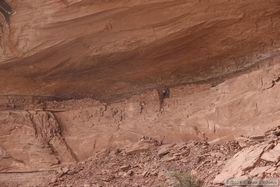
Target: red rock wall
[113,49]
[32,139]
[123,52]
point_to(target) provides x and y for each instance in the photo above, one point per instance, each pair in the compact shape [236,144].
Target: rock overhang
[110,50]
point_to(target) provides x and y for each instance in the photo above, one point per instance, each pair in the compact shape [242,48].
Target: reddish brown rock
[111,49]
[138,147]
[241,162]
[169,71]
[31,141]
[272,155]
[164,149]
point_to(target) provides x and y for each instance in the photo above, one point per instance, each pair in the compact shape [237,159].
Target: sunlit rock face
[80,76]
[113,49]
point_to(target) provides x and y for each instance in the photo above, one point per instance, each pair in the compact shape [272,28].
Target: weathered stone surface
[31,141]
[238,106]
[109,49]
[125,167]
[242,161]
[272,155]
[164,149]
[169,158]
[157,50]
[259,171]
[138,147]
[112,50]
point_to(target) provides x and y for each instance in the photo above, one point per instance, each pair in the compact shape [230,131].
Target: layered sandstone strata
[112,49]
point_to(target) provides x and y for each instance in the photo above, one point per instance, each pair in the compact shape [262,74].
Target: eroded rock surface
[31,141]
[259,161]
[112,49]
[212,165]
[163,71]
[246,104]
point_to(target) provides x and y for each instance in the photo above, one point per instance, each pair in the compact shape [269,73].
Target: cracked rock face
[81,76]
[31,141]
[258,161]
[241,162]
[77,129]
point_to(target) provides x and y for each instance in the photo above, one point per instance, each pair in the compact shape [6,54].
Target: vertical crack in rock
[48,131]
[33,124]
[69,149]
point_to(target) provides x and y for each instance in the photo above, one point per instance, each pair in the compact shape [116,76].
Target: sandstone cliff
[78,77]
[111,49]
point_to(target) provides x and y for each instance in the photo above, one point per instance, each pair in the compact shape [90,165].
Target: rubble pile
[152,163]
[148,163]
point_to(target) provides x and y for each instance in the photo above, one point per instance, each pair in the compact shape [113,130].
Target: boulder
[138,147]
[240,162]
[272,155]
[164,150]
